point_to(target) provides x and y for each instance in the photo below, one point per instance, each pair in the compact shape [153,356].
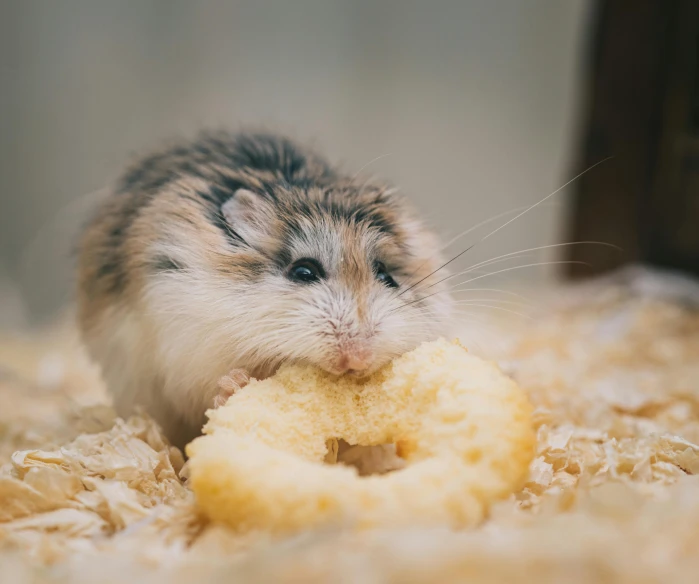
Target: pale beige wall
[473,102]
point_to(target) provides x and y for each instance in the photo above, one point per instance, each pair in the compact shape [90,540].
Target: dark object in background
[643,109]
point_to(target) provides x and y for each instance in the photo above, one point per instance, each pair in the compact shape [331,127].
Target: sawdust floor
[612,368]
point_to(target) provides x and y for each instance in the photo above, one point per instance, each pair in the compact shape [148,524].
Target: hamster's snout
[354,357]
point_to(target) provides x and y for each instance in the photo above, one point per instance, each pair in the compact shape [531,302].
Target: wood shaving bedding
[612,368]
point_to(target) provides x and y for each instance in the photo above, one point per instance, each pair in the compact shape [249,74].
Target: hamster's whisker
[518,254]
[500,290]
[479,319]
[555,262]
[507,292]
[356,174]
[481,224]
[485,237]
[454,289]
[490,306]
[510,302]
[475,267]
[466,232]
[546,198]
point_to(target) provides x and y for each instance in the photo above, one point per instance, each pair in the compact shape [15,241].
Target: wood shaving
[612,368]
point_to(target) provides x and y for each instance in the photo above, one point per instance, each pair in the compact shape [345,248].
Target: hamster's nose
[354,359]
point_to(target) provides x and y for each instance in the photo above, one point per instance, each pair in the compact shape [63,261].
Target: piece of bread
[462,426]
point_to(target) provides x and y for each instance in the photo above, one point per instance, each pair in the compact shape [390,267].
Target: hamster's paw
[229,384]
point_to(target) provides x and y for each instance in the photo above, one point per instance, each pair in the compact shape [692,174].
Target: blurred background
[473,107]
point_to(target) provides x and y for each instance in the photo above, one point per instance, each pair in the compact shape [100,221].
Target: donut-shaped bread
[462,426]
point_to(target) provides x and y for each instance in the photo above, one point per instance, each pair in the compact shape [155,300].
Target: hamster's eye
[383,276]
[305,271]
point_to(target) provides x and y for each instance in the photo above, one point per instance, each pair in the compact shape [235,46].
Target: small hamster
[226,255]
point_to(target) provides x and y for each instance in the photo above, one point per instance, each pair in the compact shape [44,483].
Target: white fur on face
[214,323]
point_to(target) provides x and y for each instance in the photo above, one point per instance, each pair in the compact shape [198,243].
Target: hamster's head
[344,277]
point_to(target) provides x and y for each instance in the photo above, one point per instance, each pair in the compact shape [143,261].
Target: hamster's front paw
[229,384]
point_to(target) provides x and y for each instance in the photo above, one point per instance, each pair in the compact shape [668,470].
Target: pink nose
[354,359]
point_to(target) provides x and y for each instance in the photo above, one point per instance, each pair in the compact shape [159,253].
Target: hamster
[224,256]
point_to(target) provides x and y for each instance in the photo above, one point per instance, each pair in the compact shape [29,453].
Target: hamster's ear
[250,215]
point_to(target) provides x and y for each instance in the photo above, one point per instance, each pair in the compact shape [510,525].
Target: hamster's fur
[240,252]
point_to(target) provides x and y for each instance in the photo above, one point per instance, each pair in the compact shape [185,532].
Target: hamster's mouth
[362,373]
[335,372]
[337,368]
[358,374]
